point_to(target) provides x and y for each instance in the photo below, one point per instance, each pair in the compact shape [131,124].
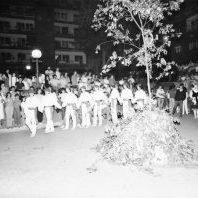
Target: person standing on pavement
[180,96]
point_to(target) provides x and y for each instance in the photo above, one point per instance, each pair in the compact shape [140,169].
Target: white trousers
[114,111]
[31,120]
[97,114]
[85,116]
[125,109]
[185,107]
[49,117]
[69,112]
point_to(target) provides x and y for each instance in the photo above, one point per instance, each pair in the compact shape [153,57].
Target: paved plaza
[55,165]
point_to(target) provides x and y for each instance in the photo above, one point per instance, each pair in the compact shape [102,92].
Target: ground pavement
[55,165]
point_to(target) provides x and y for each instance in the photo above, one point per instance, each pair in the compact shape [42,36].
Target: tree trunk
[103,57]
[148,84]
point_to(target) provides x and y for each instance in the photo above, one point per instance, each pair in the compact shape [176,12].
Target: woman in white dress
[2,113]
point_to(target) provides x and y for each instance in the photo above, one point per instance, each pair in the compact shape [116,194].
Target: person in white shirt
[140,97]
[13,79]
[49,100]
[85,102]
[54,82]
[99,98]
[29,106]
[63,82]
[58,73]
[70,101]
[49,72]
[160,95]
[114,98]
[126,100]
[26,84]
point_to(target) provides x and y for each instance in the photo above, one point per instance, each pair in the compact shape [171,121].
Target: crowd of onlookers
[14,89]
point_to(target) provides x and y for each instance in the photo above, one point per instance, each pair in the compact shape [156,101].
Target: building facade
[185,49]
[47,25]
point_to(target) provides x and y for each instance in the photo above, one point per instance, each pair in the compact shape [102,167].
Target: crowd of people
[83,100]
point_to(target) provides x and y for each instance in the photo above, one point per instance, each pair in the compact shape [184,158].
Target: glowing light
[36,53]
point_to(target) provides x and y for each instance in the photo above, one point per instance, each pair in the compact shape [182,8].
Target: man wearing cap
[70,101]
[85,102]
[49,100]
[30,105]
[99,98]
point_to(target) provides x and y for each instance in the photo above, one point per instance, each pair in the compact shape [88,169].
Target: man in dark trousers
[180,96]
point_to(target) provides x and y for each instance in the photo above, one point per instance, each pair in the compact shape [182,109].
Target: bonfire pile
[147,138]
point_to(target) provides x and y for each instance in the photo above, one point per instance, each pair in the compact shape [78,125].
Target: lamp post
[37,54]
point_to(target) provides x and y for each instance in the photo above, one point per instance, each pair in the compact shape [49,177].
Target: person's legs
[175,107]
[95,116]
[125,109]
[73,116]
[114,111]
[181,108]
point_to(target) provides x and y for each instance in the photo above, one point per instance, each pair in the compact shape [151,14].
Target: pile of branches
[147,138]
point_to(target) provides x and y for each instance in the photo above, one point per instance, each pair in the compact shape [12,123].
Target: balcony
[17,31]
[64,35]
[15,46]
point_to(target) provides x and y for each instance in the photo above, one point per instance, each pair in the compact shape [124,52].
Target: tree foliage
[139,27]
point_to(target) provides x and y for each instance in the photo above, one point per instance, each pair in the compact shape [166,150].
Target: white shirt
[58,74]
[13,80]
[140,95]
[85,97]
[99,95]
[114,94]
[50,99]
[69,98]
[126,94]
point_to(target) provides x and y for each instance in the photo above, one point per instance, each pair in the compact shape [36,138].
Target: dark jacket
[180,95]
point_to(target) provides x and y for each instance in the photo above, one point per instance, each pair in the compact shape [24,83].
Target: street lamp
[37,54]
[28,67]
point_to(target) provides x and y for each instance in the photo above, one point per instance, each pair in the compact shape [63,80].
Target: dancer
[29,107]
[85,102]
[99,98]
[126,99]
[114,98]
[49,100]
[70,101]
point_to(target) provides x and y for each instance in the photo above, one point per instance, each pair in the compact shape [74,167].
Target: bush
[146,139]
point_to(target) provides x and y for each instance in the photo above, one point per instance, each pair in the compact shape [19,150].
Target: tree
[138,26]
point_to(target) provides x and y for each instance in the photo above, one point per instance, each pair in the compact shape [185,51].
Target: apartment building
[185,49]
[47,25]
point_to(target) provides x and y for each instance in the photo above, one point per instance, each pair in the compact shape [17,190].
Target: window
[57,44]
[76,18]
[21,42]
[6,56]
[29,27]
[57,30]
[194,24]
[178,49]
[21,56]
[71,45]
[78,59]
[5,41]
[66,58]
[65,30]
[64,44]
[64,16]
[57,15]
[20,26]
[5,26]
